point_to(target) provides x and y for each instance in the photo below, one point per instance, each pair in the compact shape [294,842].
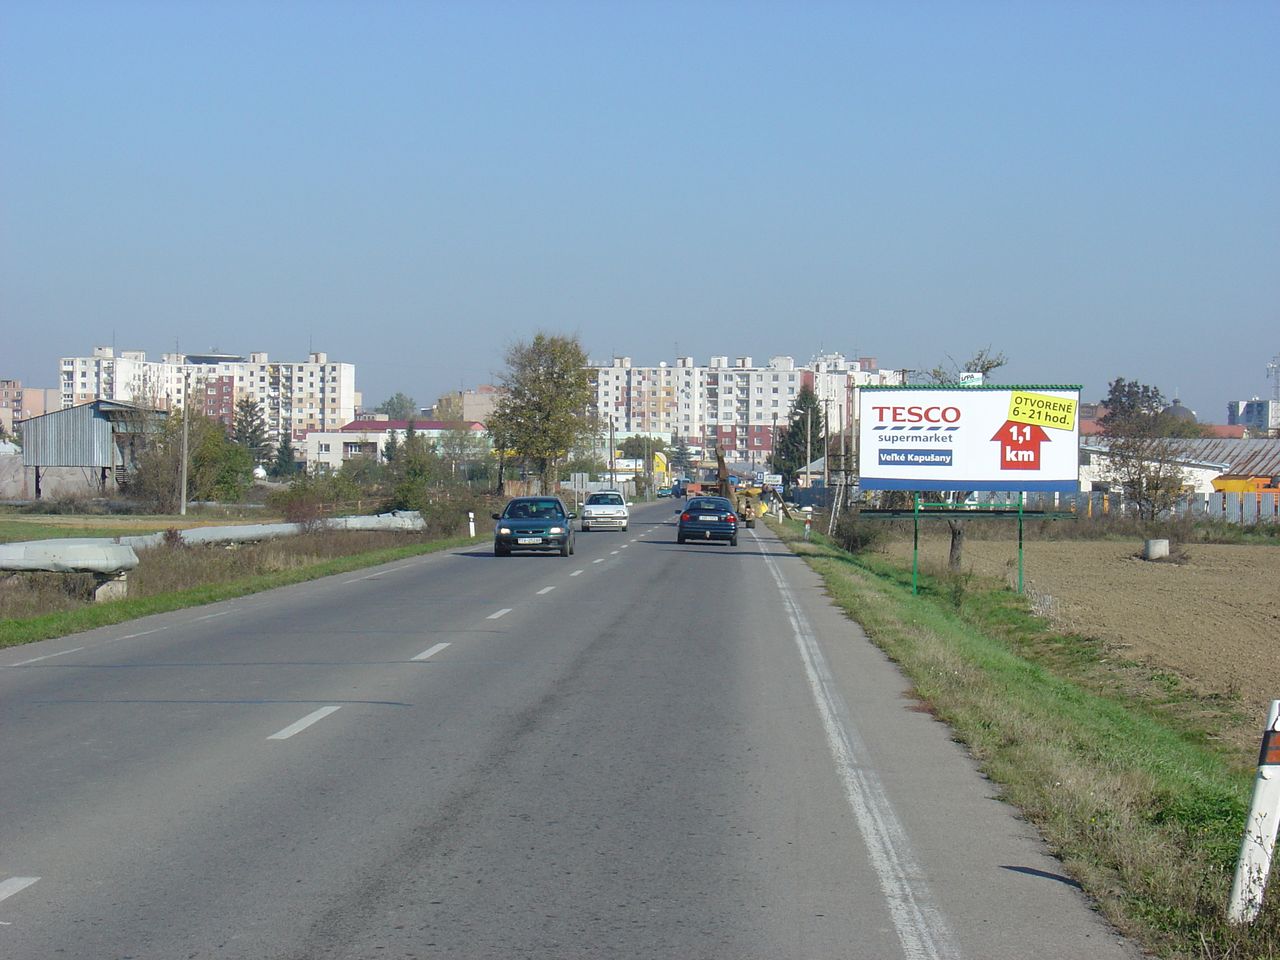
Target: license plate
[704,517]
[528,540]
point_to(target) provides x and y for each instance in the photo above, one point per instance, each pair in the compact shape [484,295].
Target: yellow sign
[1042,409]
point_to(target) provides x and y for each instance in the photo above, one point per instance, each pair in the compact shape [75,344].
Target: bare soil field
[1213,620]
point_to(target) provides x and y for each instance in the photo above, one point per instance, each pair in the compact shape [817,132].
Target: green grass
[1114,764]
[29,630]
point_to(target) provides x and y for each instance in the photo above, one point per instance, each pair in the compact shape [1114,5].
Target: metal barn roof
[84,435]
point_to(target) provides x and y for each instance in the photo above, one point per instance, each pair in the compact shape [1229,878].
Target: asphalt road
[643,750]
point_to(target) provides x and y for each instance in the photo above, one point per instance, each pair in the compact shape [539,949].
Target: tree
[982,362]
[398,406]
[544,412]
[250,429]
[459,447]
[285,464]
[1145,447]
[802,437]
[449,408]
[391,449]
[217,468]
[640,448]
[681,461]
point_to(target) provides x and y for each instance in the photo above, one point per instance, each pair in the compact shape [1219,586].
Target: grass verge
[30,629]
[1138,803]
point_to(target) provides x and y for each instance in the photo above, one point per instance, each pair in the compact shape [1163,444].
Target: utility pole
[613,460]
[186,390]
[826,443]
[808,441]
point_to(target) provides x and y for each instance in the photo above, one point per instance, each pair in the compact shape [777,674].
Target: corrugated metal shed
[1244,458]
[1235,458]
[85,435]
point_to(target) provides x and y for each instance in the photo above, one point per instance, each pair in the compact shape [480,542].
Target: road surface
[643,750]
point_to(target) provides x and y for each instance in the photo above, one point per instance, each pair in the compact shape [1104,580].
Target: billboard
[969,438]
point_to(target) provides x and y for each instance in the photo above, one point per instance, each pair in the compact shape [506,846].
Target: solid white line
[212,615]
[545,590]
[15,884]
[372,576]
[47,656]
[576,573]
[921,928]
[501,613]
[431,652]
[305,722]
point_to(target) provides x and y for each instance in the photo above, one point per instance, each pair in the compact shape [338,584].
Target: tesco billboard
[969,438]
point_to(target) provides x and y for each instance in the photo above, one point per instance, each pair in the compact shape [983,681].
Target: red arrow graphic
[1020,445]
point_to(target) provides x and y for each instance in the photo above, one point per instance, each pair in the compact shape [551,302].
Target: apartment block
[295,397]
[1260,417]
[736,403]
[18,403]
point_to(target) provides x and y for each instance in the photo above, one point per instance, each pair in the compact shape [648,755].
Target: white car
[605,510]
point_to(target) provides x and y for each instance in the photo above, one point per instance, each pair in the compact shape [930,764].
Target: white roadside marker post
[471,523]
[1260,830]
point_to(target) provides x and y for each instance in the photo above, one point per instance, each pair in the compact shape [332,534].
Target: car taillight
[731,517]
[684,518]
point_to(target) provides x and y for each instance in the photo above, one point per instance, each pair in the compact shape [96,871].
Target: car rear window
[714,506]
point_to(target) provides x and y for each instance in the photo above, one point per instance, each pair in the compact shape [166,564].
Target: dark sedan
[533,523]
[708,518]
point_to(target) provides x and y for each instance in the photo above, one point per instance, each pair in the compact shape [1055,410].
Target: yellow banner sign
[1043,409]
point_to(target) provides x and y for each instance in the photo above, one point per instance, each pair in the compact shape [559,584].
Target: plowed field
[1214,620]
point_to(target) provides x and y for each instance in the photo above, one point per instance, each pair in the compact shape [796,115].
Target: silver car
[605,510]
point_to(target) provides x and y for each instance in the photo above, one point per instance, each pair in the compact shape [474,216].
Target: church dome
[1179,412]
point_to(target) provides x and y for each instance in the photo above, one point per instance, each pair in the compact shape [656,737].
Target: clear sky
[1091,187]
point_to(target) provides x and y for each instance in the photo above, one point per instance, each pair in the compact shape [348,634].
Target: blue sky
[1092,188]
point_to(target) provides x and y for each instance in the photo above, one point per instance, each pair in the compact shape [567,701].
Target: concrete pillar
[111,586]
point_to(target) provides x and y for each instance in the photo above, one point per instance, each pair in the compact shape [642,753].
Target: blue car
[533,523]
[708,518]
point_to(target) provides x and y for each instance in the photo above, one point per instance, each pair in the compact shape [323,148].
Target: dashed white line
[613,553]
[431,651]
[305,722]
[576,573]
[130,636]
[625,545]
[501,613]
[545,590]
[601,560]
[47,656]
[14,885]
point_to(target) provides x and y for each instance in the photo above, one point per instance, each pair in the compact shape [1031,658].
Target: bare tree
[982,362]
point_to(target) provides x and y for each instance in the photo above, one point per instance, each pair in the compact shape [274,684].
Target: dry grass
[174,567]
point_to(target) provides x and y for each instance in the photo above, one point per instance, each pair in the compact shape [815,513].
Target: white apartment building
[736,404]
[295,396]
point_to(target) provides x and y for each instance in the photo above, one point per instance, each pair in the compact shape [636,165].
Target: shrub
[860,536]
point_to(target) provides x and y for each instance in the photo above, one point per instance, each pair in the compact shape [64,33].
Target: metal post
[915,548]
[1021,496]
